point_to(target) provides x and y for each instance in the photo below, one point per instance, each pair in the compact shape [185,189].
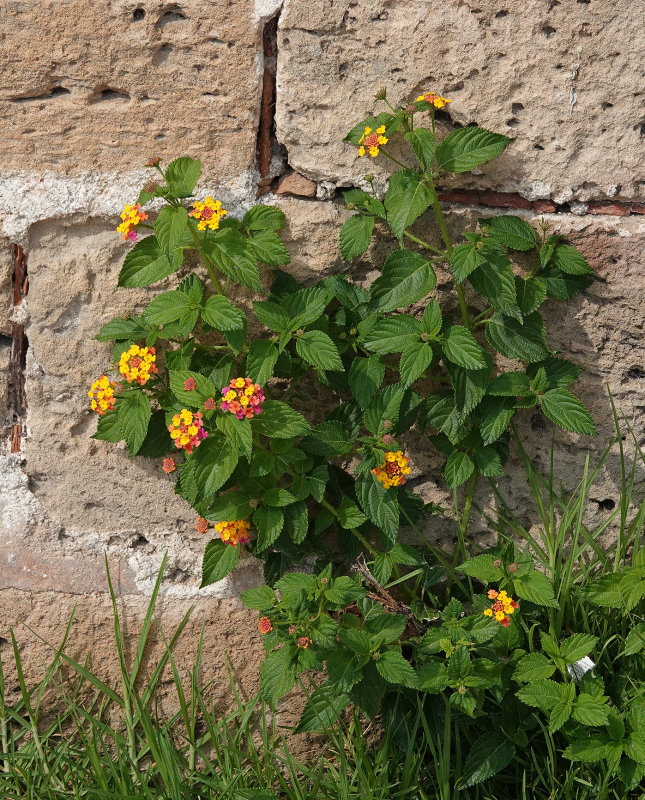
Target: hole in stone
[502,13]
[538,147]
[140,541]
[444,116]
[606,505]
[548,31]
[516,108]
[5,341]
[110,94]
[511,123]
[173,14]
[605,106]
[636,373]
[139,14]
[583,2]
[56,91]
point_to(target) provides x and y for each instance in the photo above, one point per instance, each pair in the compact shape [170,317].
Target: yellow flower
[234,531]
[488,612]
[372,141]
[393,470]
[499,615]
[434,99]
[137,364]
[131,215]
[209,213]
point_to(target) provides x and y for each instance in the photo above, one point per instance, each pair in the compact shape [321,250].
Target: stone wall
[263,93]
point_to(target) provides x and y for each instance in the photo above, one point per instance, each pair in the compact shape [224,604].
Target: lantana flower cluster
[138,364]
[209,213]
[370,141]
[434,99]
[393,470]
[102,394]
[243,398]
[503,607]
[187,430]
[234,532]
[131,215]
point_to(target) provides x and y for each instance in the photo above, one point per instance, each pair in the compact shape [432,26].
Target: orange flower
[393,470]
[304,642]
[201,526]
[492,594]
[264,625]
[209,404]
[234,532]
[168,465]
[189,384]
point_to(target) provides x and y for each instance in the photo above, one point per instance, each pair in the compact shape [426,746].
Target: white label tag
[578,669]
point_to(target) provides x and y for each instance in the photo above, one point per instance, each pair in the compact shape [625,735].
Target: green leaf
[278,497]
[432,320]
[392,334]
[365,378]
[193,398]
[536,587]
[169,227]
[460,347]
[182,175]
[385,406]
[464,259]
[510,231]
[258,598]
[350,515]
[468,148]
[516,340]
[269,522]
[297,521]
[542,694]
[215,459]
[635,748]
[635,641]
[564,408]
[482,568]
[570,261]
[157,442]
[560,712]
[134,416]
[231,505]
[511,384]
[317,349]
[530,293]
[330,438]
[406,278]
[264,218]
[269,248]
[272,316]
[222,314]
[496,414]
[495,282]
[238,432]
[469,384]
[488,462]
[167,307]
[277,674]
[414,362]
[323,707]
[487,756]
[355,236]
[280,421]
[577,646]
[562,286]
[405,200]
[260,360]
[118,329]
[559,372]
[147,263]
[423,144]
[379,504]
[230,252]
[108,428]
[219,561]
[395,669]
[533,667]
[592,749]
[457,469]
[589,710]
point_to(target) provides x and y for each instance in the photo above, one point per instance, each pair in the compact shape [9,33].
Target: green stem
[464,519]
[209,265]
[425,244]
[396,160]
[326,504]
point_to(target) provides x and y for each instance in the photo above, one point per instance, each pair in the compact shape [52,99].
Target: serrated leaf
[222,314]
[564,408]
[406,278]
[350,515]
[495,282]
[118,329]
[280,421]
[238,432]
[297,521]
[432,320]
[193,398]
[379,504]
[577,646]
[277,674]
[559,372]
[329,438]
[261,360]
[317,349]
[108,428]
[482,568]
[323,707]
[414,362]
[264,218]
[219,561]
[589,710]
[464,259]
[365,378]
[392,334]
[533,667]
[468,148]
[563,286]
[134,417]
[258,598]
[570,261]
[395,669]
[542,694]
[169,227]
[530,293]
[182,175]
[269,248]
[232,505]
[355,236]
[516,340]
[269,522]
[511,384]
[487,756]
[536,587]
[592,749]
[385,406]
[469,384]
[510,231]
[405,200]
[461,347]
[277,497]
[635,641]
[496,414]
[423,144]
[214,459]
[457,469]
[231,253]
[148,263]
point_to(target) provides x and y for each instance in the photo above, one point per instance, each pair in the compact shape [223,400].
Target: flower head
[152,162]
[234,531]
[138,364]
[209,404]
[190,384]
[370,141]
[513,567]
[243,398]
[131,216]
[264,625]
[304,642]
[150,187]
[187,430]
[503,607]
[168,465]
[434,99]
[201,526]
[102,394]
[393,470]
[208,213]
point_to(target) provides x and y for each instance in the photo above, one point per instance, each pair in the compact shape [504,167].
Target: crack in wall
[17,401]
[268,148]
[485,197]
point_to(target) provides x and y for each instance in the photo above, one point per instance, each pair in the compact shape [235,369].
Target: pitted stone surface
[565,78]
